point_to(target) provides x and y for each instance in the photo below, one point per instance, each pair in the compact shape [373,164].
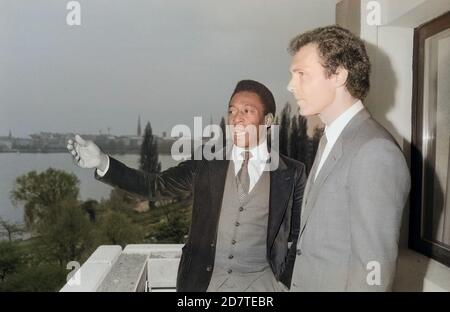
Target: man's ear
[341,76]
[268,120]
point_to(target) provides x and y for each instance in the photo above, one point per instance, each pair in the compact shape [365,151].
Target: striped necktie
[243,178]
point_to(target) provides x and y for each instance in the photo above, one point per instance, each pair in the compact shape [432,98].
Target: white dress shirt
[256,164]
[334,130]
[102,173]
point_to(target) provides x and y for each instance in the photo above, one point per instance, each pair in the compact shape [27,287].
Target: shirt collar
[334,130]
[259,152]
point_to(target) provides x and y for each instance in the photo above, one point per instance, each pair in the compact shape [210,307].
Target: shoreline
[132,152]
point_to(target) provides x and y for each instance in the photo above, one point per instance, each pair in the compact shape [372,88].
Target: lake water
[13,165]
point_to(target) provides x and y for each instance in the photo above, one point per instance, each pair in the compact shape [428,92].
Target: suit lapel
[312,189]
[217,172]
[217,175]
[280,190]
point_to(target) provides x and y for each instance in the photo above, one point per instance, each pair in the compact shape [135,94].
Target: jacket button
[229,271]
[233,242]
[230,257]
[209,268]
[212,245]
[299,252]
[237,223]
[241,209]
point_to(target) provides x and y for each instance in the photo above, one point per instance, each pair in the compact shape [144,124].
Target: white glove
[87,154]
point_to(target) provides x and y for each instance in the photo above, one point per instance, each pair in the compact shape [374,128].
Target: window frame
[422,150]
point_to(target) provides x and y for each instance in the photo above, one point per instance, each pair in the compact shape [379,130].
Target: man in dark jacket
[246,213]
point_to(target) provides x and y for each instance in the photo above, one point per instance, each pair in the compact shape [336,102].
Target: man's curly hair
[339,47]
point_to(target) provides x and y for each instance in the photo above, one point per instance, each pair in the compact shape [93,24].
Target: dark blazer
[205,180]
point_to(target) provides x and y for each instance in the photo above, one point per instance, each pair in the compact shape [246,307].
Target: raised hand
[87,154]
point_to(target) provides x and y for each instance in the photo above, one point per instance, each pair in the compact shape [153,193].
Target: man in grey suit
[359,183]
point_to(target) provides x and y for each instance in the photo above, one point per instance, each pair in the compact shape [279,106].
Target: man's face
[313,91]
[245,115]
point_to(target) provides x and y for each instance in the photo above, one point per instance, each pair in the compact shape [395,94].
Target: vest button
[233,242]
[212,245]
[209,268]
[299,252]
[241,209]
[237,223]
[230,257]
[229,271]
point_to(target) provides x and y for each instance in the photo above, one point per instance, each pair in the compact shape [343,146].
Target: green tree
[299,139]
[285,124]
[120,201]
[53,212]
[91,207]
[42,277]
[66,232]
[223,126]
[174,226]
[10,229]
[148,161]
[117,229]
[41,191]
[294,139]
[9,259]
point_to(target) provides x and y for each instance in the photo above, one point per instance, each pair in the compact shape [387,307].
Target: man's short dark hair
[339,47]
[261,90]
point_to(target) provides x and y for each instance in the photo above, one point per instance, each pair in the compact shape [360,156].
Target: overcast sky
[167,60]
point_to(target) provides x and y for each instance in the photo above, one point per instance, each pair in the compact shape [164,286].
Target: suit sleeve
[379,184]
[174,181]
[299,188]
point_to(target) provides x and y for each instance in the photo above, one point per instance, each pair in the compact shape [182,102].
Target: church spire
[139,132]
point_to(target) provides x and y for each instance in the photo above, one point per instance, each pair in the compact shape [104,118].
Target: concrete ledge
[91,274]
[162,264]
[105,254]
[155,250]
[162,273]
[128,274]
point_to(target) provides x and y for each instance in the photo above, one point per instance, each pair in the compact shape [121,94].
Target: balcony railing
[136,268]
[139,268]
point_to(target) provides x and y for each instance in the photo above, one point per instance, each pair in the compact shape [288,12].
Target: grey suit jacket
[351,214]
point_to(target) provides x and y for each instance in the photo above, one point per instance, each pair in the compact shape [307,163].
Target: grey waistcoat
[240,262]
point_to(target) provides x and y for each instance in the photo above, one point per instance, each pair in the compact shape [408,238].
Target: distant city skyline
[167,61]
[140,126]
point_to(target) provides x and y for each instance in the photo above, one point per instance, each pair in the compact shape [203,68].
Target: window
[430,170]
